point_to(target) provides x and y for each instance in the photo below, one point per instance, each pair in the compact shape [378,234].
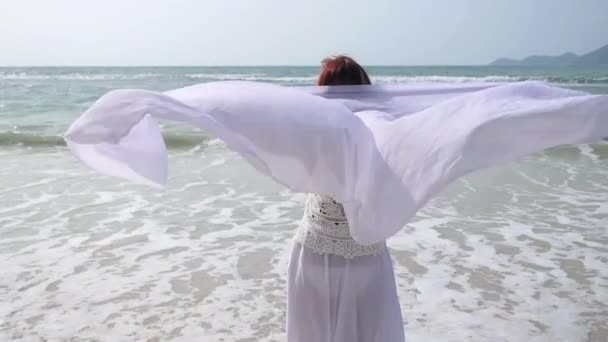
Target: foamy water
[517,253]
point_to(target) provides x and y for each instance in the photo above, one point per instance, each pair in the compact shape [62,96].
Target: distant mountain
[593,58]
[597,57]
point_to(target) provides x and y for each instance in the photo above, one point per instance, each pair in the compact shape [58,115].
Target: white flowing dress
[339,290]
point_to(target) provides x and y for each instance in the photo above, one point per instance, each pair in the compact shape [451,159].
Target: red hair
[341,70]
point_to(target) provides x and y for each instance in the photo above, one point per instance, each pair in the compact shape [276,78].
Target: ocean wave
[253,77]
[179,140]
[77,76]
[173,140]
[566,81]
[309,79]
[578,80]
[444,79]
[375,79]
[300,79]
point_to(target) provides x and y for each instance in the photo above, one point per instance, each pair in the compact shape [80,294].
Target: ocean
[516,253]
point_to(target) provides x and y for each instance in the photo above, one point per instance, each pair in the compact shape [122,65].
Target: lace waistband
[330,235]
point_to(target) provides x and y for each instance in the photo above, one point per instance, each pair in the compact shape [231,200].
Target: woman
[339,290]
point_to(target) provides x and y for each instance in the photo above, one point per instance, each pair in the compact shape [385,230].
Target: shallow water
[514,254]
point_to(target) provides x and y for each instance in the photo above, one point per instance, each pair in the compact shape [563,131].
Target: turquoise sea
[518,253]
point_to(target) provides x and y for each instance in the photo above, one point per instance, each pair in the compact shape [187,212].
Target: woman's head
[341,70]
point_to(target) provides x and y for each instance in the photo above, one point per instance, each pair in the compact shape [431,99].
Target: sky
[286,32]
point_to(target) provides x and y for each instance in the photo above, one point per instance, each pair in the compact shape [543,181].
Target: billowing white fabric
[382,151]
[334,299]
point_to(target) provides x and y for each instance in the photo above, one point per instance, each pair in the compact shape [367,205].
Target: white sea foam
[75,76]
[599,81]
[444,79]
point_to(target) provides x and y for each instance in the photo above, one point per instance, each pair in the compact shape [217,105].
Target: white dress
[339,290]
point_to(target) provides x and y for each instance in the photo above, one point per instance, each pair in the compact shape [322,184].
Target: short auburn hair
[341,70]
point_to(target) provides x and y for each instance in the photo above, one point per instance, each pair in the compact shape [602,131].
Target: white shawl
[382,151]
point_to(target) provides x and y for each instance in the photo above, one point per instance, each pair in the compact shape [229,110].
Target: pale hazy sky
[285,32]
